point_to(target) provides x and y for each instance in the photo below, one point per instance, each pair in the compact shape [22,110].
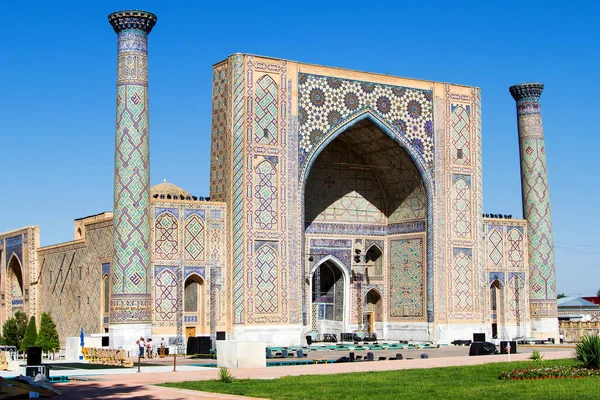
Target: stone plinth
[241,354]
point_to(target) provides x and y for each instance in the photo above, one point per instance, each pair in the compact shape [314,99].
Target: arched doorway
[496,307]
[329,297]
[14,282]
[373,312]
[194,305]
[363,186]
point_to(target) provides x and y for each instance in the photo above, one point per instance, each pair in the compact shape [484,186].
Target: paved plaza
[128,383]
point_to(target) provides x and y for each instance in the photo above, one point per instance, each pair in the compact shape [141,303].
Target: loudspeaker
[204,345]
[105,342]
[308,340]
[513,347]
[221,336]
[479,337]
[34,355]
[192,345]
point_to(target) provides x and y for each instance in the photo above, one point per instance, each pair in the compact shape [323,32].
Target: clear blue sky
[57,101]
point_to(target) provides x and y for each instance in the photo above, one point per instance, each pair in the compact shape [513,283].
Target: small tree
[30,335]
[47,336]
[560,296]
[598,293]
[14,329]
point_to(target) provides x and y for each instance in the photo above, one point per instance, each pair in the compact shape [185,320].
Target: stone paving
[128,384]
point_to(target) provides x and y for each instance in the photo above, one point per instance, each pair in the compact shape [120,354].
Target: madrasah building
[340,201]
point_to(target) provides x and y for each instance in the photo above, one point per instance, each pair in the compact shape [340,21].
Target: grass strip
[464,382]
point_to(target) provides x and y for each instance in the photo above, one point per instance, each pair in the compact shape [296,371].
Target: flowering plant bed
[548,373]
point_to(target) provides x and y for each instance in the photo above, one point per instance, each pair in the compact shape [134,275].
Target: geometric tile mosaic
[265,195]
[407,280]
[194,238]
[462,280]
[265,109]
[266,280]
[165,230]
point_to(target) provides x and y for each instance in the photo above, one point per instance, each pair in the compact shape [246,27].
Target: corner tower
[536,210]
[130,305]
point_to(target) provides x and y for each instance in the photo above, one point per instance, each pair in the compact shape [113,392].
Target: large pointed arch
[425,175]
[14,284]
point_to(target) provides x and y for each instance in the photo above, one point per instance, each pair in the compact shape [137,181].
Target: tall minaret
[130,304]
[536,210]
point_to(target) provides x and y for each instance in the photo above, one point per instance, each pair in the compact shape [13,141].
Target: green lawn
[474,382]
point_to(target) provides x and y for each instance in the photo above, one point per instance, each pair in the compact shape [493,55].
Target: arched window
[106,294]
[495,289]
[374,261]
[192,294]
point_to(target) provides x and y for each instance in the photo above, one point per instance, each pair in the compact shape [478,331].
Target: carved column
[130,305]
[536,210]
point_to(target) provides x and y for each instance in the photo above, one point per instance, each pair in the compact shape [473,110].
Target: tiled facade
[340,201]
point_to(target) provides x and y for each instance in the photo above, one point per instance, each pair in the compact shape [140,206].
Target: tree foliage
[30,335]
[14,329]
[560,296]
[48,335]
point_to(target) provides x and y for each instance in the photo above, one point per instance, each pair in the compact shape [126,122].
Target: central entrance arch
[363,185]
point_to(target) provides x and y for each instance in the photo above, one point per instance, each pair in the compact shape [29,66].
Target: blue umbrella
[81,337]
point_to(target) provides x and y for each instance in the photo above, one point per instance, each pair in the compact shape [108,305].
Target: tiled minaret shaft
[130,270]
[536,206]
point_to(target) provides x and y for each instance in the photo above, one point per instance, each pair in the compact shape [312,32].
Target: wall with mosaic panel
[268,288]
[19,269]
[71,280]
[506,260]
[463,293]
[258,193]
[192,235]
[220,161]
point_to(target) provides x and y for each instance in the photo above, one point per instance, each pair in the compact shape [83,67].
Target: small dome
[168,189]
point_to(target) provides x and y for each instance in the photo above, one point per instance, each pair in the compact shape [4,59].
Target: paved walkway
[140,385]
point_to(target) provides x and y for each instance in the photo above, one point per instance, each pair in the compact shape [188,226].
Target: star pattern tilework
[326,103]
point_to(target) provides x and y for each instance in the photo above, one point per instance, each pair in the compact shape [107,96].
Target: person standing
[561,338]
[162,347]
[150,348]
[141,344]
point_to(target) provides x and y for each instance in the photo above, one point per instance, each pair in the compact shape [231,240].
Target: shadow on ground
[95,390]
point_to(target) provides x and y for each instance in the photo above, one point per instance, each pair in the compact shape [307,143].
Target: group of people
[147,348]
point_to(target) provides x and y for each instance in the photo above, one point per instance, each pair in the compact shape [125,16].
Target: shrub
[548,372]
[225,376]
[14,328]
[47,336]
[536,356]
[587,351]
[30,335]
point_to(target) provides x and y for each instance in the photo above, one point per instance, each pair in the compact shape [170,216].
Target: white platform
[241,354]
[272,335]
